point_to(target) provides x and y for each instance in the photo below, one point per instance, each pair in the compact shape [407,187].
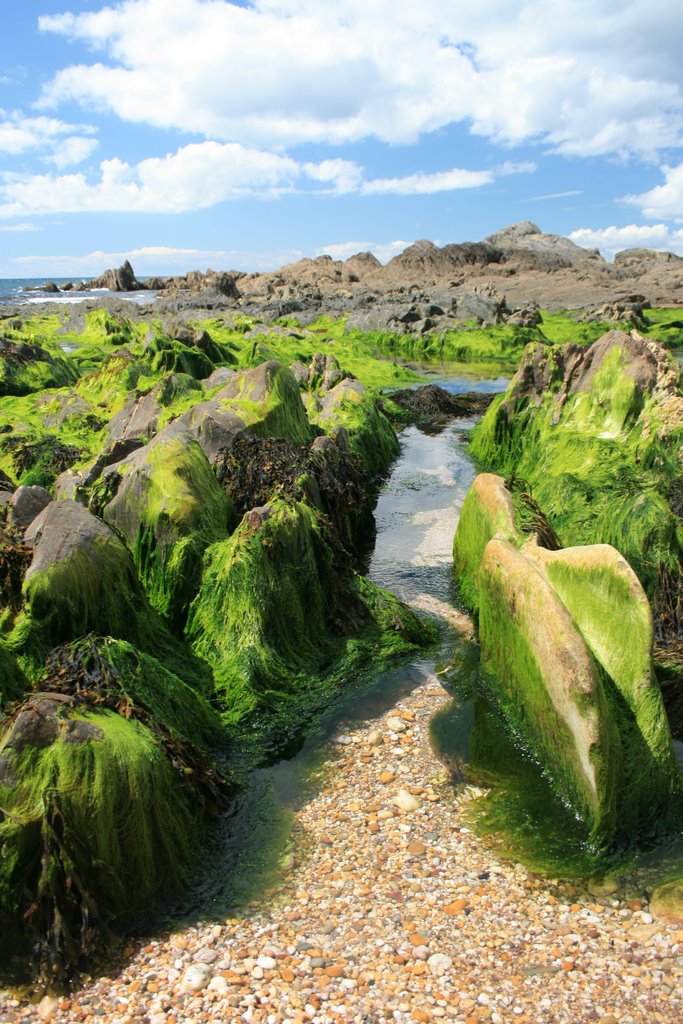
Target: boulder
[166,502]
[81,577]
[350,407]
[268,401]
[122,279]
[27,503]
[566,654]
[137,420]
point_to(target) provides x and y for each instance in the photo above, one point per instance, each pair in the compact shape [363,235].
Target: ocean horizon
[32,290]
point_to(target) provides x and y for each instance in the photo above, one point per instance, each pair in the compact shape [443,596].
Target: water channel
[416,516]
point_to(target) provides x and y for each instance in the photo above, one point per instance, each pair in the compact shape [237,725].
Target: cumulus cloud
[663,200]
[63,144]
[634,236]
[587,79]
[201,175]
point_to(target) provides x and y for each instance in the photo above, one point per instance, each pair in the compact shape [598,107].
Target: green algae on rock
[596,435]
[168,505]
[351,408]
[280,624]
[566,655]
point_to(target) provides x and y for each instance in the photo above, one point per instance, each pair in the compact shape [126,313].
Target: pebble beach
[393,910]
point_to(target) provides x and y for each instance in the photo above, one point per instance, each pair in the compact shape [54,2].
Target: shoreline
[395,915]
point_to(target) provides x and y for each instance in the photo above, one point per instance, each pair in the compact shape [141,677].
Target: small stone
[386,777]
[439,964]
[268,963]
[455,908]
[196,977]
[396,725]
[47,1007]
[205,955]
[405,801]
[417,848]
[218,984]
[603,886]
[257,973]
[374,738]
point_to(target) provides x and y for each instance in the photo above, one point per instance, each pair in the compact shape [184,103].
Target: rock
[439,964]
[27,503]
[396,725]
[666,902]
[268,963]
[48,1005]
[205,955]
[553,627]
[165,500]
[121,280]
[81,577]
[195,978]
[137,419]
[406,802]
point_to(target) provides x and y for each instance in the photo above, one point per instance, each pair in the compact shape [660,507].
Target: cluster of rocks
[454,282]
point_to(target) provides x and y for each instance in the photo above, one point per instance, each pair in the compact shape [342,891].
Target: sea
[14,290]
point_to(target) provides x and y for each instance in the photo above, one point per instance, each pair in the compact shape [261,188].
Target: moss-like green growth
[566,653]
[168,505]
[596,437]
[487,510]
[93,825]
[81,579]
[267,399]
[272,614]
[13,683]
[351,408]
[27,368]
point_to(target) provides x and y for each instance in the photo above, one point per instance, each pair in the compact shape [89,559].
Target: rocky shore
[391,911]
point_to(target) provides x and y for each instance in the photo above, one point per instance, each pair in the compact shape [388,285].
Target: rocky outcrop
[122,279]
[566,655]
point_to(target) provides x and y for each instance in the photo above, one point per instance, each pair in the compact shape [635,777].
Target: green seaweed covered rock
[81,579]
[596,435]
[281,625]
[105,786]
[267,399]
[166,502]
[94,823]
[566,653]
[26,367]
[353,410]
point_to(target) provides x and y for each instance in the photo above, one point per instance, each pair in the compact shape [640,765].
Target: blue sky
[197,133]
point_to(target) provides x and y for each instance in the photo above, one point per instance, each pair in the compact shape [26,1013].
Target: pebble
[392,911]
[195,978]
[405,801]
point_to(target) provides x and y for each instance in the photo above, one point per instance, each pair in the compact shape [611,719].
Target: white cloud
[557,195]
[193,178]
[428,184]
[148,261]
[384,251]
[663,200]
[61,142]
[22,228]
[634,236]
[204,174]
[586,77]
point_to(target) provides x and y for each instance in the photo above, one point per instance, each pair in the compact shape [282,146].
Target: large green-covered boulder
[595,434]
[566,653]
[166,502]
[282,626]
[94,823]
[81,579]
[267,399]
[351,410]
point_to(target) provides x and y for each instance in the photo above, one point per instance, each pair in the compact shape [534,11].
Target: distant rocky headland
[502,278]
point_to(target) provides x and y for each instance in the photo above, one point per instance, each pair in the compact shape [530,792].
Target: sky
[184,134]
